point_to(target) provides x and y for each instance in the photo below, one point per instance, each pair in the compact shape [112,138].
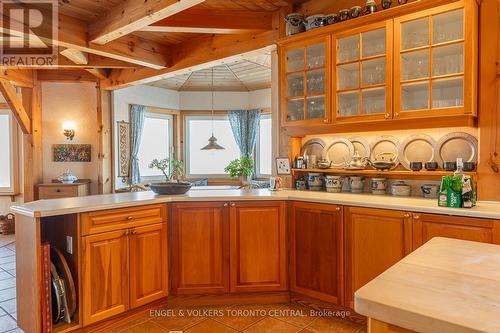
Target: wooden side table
[56,189]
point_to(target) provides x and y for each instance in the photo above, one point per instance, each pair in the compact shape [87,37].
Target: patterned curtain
[245,125]
[136,127]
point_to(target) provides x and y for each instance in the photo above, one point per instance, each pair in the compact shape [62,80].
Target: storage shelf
[404,174]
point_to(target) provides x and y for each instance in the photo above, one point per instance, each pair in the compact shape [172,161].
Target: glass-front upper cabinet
[305,68]
[435,63]
[363,73]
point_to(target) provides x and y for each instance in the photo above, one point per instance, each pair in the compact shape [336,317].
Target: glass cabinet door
[362,72]
[307,81]
[430,58]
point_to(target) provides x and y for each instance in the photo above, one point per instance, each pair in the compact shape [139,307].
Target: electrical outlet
[69,244]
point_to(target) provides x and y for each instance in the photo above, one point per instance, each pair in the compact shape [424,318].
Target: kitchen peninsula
[272,228]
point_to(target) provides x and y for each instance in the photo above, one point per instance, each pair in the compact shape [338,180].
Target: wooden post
[489,100]
[105,173]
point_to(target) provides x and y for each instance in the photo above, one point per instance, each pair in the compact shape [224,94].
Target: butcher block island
[132,252]
[447,285]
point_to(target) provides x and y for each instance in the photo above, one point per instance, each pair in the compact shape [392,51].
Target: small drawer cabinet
[54,190]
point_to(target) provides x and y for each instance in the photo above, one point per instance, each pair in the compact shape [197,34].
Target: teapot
[357,161]
[324,164]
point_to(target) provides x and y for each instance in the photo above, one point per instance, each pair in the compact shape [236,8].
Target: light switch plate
[69,244]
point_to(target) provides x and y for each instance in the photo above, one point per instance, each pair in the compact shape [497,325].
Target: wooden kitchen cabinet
[435,62]
[374,239]
[200,248]
[306,78]
[148,264]
[362,81]
[316,251]
[105,275]
[428,226]
[258,240]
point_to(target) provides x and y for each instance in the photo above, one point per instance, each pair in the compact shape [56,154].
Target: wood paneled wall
[489,99]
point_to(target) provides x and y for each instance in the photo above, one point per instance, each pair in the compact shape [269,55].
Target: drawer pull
[58,190]
[130,218]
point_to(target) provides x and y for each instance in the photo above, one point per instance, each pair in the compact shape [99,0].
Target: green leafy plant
[171,168]
[240,167]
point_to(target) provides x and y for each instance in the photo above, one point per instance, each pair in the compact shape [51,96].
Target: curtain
[136,126]
[245,126]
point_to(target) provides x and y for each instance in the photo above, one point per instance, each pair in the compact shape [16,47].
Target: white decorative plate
[339,152]
[385,148]
[417,148]
[456,145]
[361,146]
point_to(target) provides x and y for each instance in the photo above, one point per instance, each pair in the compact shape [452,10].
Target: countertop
[53,207]
[447,285]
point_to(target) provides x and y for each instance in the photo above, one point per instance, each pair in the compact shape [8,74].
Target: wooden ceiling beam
[214,22]
[81,58]
[132,15]
[65,75]
[195,54]
[16,106]
[72,34]
[18,77]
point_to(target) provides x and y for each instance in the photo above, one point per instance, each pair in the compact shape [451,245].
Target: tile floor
[8,285]
[276,318]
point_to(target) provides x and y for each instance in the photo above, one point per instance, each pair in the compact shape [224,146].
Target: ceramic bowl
[450,166]
[416,166]
[430,190]
[469,166]
[315,21]
[386,4]
[431,166]
[401,189]
[170,188]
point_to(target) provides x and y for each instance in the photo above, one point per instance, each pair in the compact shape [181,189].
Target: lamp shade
[213,145]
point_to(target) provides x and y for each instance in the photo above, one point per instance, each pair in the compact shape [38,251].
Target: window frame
[264,115]
[170,118]
[204,116]
[13,156]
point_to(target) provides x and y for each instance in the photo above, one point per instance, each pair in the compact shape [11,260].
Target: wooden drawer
[54,192]
[123,218]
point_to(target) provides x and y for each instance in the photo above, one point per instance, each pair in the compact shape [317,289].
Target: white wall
[75,102]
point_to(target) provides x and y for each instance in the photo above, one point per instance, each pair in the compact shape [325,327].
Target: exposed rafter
[214,22]
[9,93]
[195,54]
[73,35]
[133,15]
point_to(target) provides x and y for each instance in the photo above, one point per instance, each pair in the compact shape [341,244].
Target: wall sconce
[69,129]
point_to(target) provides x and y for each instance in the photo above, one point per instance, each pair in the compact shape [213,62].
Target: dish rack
[7,224]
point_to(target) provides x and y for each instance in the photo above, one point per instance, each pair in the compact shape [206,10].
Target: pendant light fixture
[212,142]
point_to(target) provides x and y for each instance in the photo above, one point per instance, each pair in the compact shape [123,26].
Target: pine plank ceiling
[92,10]
[245,74]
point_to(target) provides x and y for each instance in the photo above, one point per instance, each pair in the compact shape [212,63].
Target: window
[263,150]
[204,163]
[156,142]
[8,148]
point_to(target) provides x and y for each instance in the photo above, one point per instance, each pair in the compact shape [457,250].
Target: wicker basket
[7,224]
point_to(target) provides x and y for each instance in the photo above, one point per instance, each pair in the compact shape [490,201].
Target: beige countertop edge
[403,318]
[45,208]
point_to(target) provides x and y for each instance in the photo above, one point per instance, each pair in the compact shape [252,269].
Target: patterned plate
[339,152]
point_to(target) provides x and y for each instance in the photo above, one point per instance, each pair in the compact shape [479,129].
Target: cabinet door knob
[406,215]
[130,218]
[225,205]
[233,204]
[126,233]
[337,209]
[386,116]
[133,232]
[326,121]
[416,216]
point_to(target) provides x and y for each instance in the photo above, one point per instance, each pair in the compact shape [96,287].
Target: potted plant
[242,167]
[172,170]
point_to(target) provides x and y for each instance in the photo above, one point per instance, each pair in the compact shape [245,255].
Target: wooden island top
[447,285]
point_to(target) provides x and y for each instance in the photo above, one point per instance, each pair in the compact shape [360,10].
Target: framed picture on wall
[72,153]
[283,166]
